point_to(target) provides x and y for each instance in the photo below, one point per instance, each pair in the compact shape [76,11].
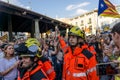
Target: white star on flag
[101,5]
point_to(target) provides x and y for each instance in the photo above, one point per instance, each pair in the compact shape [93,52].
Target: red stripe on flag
[110,13]
[108,3]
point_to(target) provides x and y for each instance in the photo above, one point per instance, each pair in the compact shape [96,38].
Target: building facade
[91,23]
[86,22]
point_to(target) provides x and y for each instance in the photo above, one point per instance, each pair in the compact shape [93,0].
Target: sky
[59,8]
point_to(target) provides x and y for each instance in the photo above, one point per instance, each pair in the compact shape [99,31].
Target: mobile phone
[109,68]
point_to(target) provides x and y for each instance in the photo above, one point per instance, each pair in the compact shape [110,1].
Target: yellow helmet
[32,47]
[32,41]
[77,32]
[31,51]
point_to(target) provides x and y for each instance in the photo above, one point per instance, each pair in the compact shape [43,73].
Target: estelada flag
[106,8]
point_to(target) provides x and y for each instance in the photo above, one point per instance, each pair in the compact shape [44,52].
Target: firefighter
[77,60]
[34,45]
[30,68]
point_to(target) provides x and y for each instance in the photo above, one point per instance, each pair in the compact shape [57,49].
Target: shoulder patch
[87,53]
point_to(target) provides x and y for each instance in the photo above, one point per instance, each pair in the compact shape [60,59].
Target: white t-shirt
[5,64]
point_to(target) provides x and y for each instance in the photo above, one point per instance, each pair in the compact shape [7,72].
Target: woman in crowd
[8,70]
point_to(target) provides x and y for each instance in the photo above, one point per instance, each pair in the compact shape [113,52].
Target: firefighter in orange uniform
[30,67]
[77,60]
[31,48]
[47,65]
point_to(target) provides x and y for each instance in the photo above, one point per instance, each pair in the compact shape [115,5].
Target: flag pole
[98,28]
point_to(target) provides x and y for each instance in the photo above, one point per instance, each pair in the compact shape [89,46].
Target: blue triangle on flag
[101,7]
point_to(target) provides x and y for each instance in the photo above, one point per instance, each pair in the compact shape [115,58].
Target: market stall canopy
[23,19]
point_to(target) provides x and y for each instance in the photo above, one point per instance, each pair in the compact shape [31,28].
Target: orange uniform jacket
[35,74]
[47,67]
[77,64]
[93,61]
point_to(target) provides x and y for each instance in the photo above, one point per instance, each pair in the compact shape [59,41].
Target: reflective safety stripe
[50,70]
[79,74]
[82,74]
[91,69]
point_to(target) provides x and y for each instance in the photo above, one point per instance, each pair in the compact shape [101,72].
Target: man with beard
[33,65]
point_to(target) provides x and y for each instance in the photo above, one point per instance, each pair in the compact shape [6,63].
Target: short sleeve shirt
[5,64]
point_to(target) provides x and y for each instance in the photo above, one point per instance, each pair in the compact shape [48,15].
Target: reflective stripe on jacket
[92,65]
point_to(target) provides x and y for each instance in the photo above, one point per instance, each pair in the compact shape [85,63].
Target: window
[82,23]
[76,23]
[89,22]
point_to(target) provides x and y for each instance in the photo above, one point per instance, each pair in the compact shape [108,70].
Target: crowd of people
[58,57]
